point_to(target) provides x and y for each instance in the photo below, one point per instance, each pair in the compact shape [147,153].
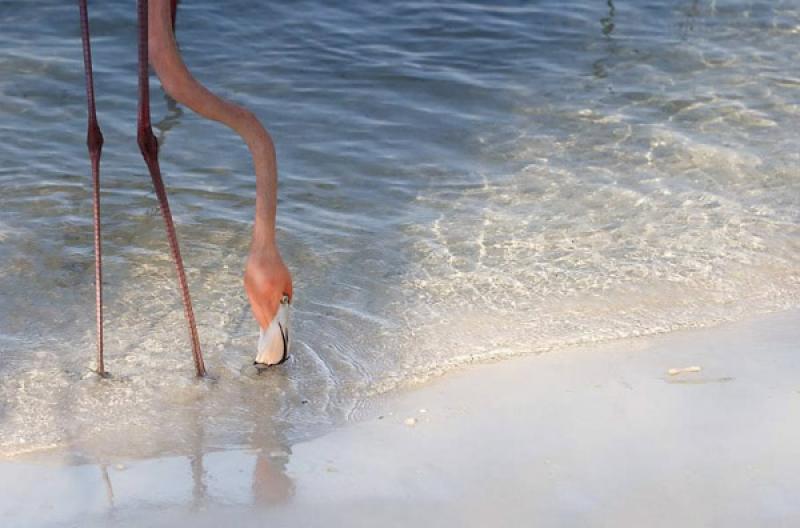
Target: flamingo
[267,280]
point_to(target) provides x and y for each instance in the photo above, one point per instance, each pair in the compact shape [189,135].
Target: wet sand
[589,436]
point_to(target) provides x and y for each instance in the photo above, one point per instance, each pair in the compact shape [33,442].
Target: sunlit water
[458,182]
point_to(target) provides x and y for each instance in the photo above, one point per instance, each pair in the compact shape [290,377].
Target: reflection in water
[199,487]
[599,67]
[608,21]
[261,471]
[170,120]
[469,168]
[109,488]
[254,474]
[271,484]
[692,13]
[52,494]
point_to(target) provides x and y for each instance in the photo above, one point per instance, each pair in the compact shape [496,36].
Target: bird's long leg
[149,148]
[94,140]
[173,11]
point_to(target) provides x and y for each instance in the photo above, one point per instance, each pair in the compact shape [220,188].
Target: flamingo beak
[274,340]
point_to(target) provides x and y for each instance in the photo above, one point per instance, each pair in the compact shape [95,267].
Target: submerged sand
[589,436]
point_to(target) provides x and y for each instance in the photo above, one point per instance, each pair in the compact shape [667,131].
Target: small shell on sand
[684,370]
[411,422]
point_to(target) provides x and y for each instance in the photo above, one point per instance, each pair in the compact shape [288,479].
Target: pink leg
[149,147]
[173,11]
[94,140]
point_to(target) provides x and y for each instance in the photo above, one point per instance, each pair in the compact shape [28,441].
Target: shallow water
[457,182]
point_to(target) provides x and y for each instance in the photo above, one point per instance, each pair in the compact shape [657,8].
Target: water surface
[458,182]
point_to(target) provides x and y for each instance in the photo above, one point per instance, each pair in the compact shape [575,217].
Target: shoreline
[595,435]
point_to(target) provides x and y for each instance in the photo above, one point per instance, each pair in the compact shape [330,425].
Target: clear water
[458,182]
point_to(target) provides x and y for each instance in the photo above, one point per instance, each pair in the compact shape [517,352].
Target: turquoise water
[458,182]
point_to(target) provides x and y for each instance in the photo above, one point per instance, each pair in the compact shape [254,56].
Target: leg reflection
[199,487]
[109,488]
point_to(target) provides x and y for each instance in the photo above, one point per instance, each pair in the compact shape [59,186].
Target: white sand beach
[589,436]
